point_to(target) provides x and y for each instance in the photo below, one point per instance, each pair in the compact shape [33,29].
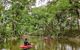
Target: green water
[40,44]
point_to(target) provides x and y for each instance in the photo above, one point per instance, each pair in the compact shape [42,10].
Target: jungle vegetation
[58,18]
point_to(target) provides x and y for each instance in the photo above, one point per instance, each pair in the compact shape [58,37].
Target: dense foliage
[56,18]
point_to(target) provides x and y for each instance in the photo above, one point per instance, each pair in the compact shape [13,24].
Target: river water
[39,43]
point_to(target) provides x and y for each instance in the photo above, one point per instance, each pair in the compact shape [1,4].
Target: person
[26,43]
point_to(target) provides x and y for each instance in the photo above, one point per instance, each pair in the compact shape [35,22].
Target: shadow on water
[41,43]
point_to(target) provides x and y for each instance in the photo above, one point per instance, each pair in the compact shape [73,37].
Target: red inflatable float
[27,46]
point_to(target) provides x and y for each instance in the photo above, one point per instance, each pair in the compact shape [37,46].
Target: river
[39,43]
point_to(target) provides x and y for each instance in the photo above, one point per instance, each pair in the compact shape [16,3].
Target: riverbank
[72,40]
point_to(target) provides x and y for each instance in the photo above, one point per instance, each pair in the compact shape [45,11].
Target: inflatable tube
[27,46]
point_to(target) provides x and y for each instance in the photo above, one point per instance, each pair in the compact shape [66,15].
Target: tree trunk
[78,18]
[14,28]
[77,11]
[14,24]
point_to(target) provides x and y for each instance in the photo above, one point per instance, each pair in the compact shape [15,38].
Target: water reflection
[4,49]
[68,45]
[39,43]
